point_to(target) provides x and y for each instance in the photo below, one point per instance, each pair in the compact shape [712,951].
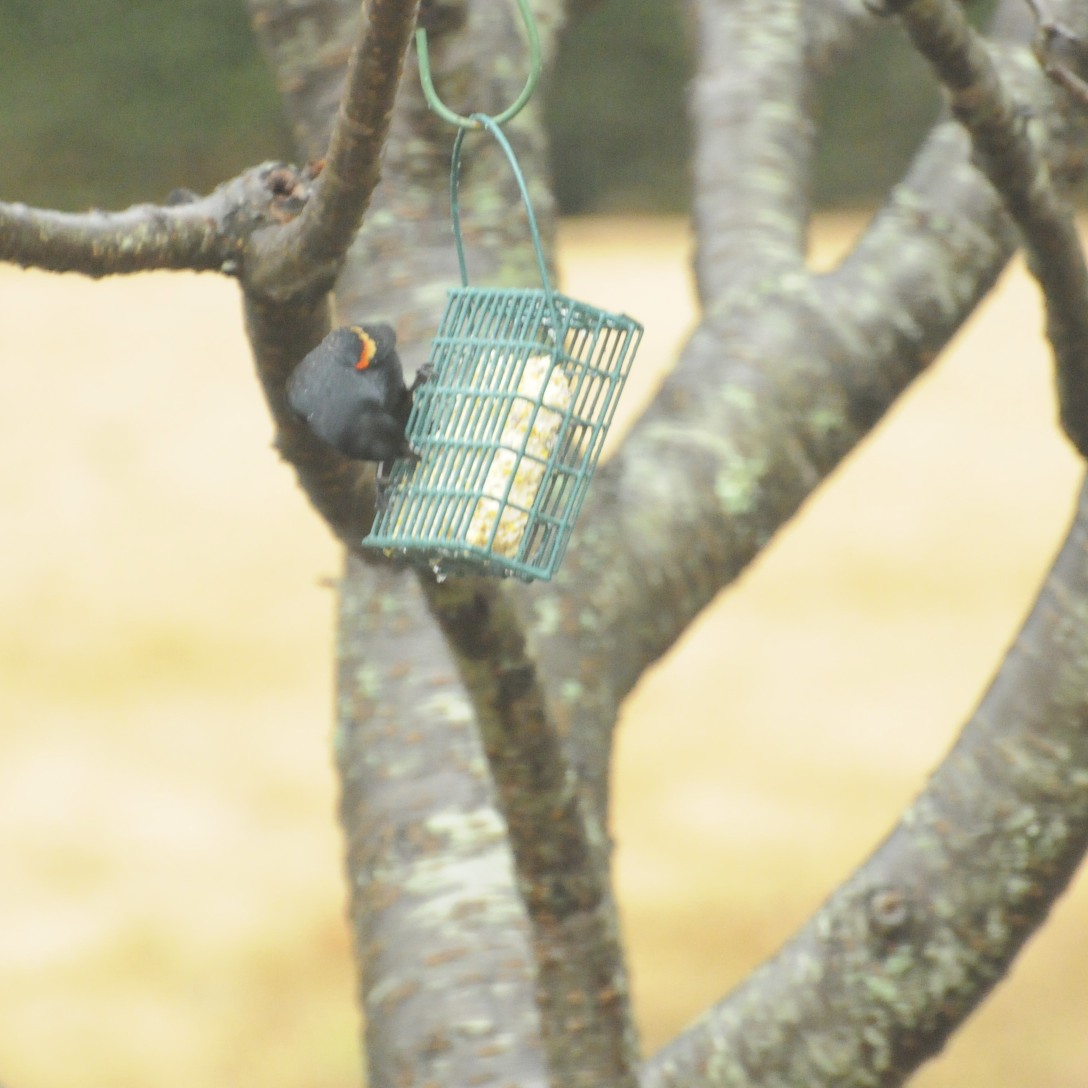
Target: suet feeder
[510,425]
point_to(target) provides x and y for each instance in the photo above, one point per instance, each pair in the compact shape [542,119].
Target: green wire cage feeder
[510,425]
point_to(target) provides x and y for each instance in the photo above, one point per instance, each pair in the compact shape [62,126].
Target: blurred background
[171,900]
[112,103]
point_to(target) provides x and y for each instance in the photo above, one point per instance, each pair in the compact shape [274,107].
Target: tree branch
[291,269]
[695,490]
[562,867]
[203,233]
[752,141]
[878,979]
[447,972]
[581,987]
[312,248]
[1004,152]
[1062,55]
[353,164]
[392,687]
[285,237]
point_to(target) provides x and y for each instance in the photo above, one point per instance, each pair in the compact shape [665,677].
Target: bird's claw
[423,375]
[381,487]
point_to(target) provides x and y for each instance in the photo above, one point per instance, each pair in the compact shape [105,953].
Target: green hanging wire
[482,120]
[509,428]
[445,112]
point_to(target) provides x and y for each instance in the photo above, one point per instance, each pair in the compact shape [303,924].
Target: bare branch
[251,226]
[105,243]
[312,249]
[352,166]
[203,233]
[753,135]
[774,389]
[879,978]
[707,476]
[561,866]
[998,128]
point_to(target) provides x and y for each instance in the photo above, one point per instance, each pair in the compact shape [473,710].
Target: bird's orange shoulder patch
[367,348]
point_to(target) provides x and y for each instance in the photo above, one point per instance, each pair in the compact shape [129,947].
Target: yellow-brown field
[171,903]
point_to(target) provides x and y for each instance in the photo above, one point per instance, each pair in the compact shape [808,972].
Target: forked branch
[281,233]
[199,233]
[1005,152]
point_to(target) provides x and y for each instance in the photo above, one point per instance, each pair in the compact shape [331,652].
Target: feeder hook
[445,112]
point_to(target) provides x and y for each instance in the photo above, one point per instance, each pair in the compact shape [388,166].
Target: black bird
[350,390]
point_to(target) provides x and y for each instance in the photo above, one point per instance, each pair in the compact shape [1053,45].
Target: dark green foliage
[113,102]
[617,109]
[871,116]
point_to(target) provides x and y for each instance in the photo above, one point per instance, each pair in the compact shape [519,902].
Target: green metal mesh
[509,429]
[511,424]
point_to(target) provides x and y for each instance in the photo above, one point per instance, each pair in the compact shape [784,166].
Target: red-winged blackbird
[350,390]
